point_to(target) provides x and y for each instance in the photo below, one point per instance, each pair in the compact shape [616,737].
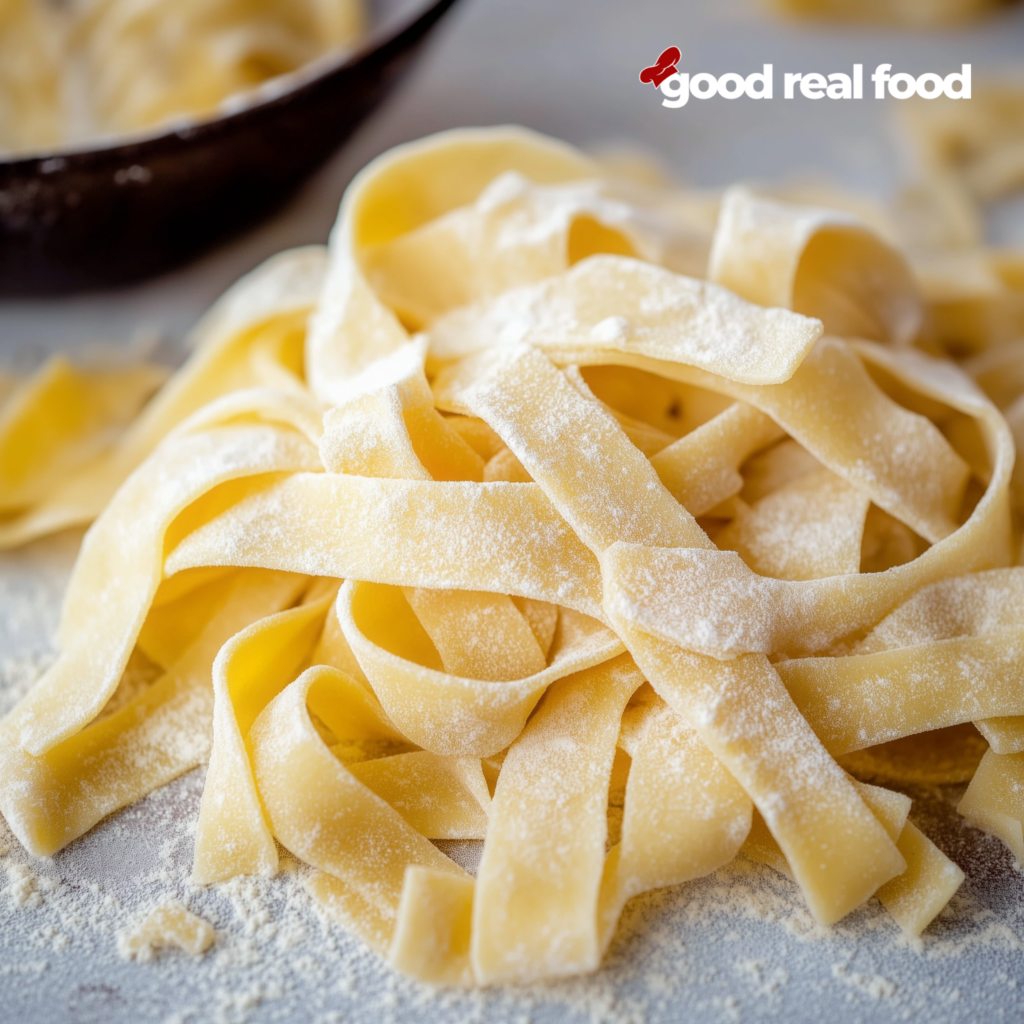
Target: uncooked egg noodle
[907,14]
[536,475]
[74,71]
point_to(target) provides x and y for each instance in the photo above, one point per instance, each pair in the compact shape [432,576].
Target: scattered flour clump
[168,925]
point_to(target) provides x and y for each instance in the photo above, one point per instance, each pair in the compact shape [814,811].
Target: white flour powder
[736,946]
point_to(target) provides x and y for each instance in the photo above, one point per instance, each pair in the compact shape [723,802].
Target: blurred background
[570,68]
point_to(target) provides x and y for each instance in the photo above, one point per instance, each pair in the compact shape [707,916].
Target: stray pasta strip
[550,507]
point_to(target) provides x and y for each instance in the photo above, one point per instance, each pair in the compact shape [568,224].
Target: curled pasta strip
[536,918]
[395,194]
[120,566]
[323,814]
[817,262]
[252,668]
[116,760]
[672,830]
[252,337]
[59,420]
[437,708]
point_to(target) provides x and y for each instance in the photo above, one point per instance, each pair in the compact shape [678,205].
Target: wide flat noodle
[320,812]
[993,801]
[62,418]
[251,338]
[499,537]
[914,898]
[805,530]
[441,797]
[250,670]
[684,816]
[613,302]
[535,911]
[863,700]
[50,800]
[817,262]
[515,233]
[698,688]
[701,469]
[117,574]
[440,710]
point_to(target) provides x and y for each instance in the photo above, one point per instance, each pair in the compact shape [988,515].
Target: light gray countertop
[735,947]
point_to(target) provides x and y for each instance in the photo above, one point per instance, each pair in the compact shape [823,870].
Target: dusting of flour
[735,946]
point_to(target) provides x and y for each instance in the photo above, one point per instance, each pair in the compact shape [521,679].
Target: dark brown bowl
[90,218]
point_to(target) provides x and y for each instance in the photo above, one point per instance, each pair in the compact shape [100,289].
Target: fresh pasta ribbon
[918,896]
[437,708]
[251,338]
[817,262]
[500,537]
[62,418]
[395,194]
[535,917]
[50,800]
[672,830]
[394,430]
[660,316]
[993,799]
[913,898]
[118,572]
[701,468]
[255,665]
[323,814]
[588,538]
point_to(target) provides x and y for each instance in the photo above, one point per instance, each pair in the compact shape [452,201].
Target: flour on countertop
[738,945]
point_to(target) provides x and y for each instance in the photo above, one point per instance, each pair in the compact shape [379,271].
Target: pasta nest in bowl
[549,506]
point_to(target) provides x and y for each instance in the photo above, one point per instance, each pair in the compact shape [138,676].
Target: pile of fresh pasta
[910,14]
[79,69]
[609,523]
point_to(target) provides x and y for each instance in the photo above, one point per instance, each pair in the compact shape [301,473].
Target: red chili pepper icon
[666,66]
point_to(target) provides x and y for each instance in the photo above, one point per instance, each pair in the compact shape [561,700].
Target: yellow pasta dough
[492,516]
[133,66]
[914,14]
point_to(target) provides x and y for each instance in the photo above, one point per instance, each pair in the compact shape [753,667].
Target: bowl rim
[240,107]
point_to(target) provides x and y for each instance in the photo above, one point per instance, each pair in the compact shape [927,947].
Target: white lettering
[676,89]
[840,87]
[930,86]
[703,86]
[731,86]
[880,77]
[902,86]
[964,79]
[813,86]
[765,81]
